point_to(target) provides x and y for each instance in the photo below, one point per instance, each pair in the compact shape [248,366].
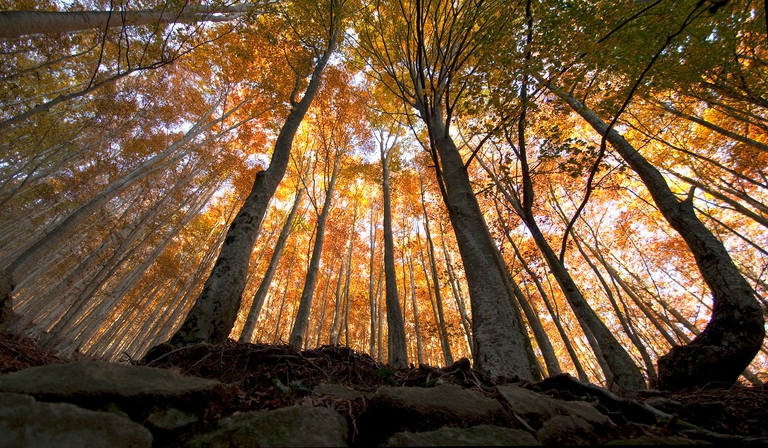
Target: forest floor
[268,377]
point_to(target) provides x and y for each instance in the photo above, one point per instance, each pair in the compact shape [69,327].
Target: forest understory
[535,188]
[266,377]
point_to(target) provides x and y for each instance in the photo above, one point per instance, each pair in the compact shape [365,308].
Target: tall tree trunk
[419,349]
[301,322]
[622,368]
[379,318]
[624,320]
[532,316]
[372,286]
[49,239]
[396,345]
[335,333]
[215,311]
[347,298]
[501,342]
[617,365]
[266,282]
[736,329]
[458,296]
[14,24]
[279,317]
[323,307]
[442,331]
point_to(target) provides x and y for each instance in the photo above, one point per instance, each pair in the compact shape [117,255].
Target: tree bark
[616,363]
[301,322]
[444,343]
[372,286]
[417,326]
[500,340]
[266,281]
[24,263]
[396,345]
[736,329]
[15,24]
[215,311]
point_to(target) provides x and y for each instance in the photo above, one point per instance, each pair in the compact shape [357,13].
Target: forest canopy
[541,186]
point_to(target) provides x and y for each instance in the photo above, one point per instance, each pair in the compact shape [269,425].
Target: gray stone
[448,400]
[103,378]
[567,430]
[339,391]
[657,440]
[415,409]
[25,422]
[481,435]
[537,408]
[290,426]
[97,384]
[171,419]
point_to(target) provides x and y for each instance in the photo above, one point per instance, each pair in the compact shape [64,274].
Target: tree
[421,50]
[15,24]
[215,310]
[398,357]
[737,327]
[130,152]
[266,281]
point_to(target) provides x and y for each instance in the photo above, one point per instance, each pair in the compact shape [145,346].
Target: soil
[267,377]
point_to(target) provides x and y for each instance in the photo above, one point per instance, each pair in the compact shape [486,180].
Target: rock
[166,401]
[25,422]
[567,430]
[481,435]
[558,422]
[657,440]
[171,419]
[290,426]
[537,408]
[396,409]
[96,384]
[339,391]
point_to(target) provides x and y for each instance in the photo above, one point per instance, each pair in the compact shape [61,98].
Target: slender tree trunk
[442,331]
[335,333]
[380,318]
[621,367]
[266,282]
[279,316]
[736,329]
[458,296]
[372,286]
[419,350]
[14,24]
[396,345]
[350,253]
[301,322]
[501,342]
[724,132]
[215,310]
[542,338]
[624,320]
[25,262]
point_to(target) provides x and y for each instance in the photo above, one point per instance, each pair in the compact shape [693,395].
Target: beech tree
[423,66]
[737,327]
[214,313]
[579,186]
[387,139]
[14,24]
